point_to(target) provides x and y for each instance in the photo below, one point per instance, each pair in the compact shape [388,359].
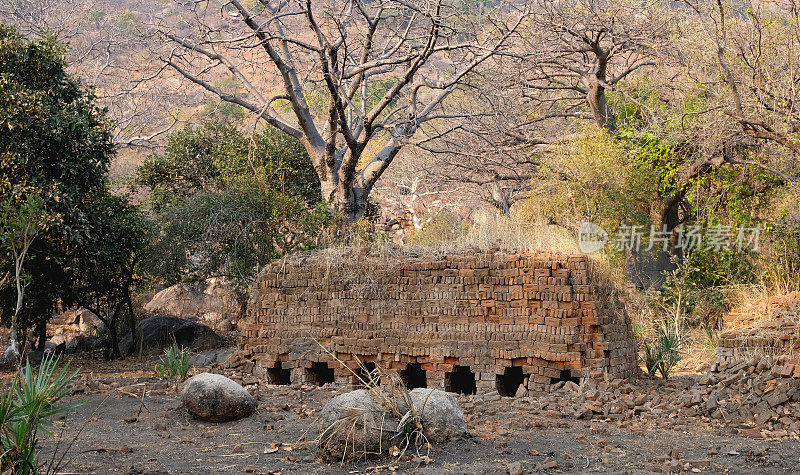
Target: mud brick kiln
[471,321]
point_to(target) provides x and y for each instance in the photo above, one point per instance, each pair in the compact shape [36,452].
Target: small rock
[549,464]
[515,468]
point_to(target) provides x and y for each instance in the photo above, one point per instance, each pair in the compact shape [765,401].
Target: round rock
[215,398]
[440,414]
[353,426]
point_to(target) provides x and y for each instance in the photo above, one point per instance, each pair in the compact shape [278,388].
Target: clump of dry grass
[514,235]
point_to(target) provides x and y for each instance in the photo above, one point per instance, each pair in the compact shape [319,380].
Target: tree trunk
[598,104]
[348,202]
[131,319]
[13,348]
[501,199]
[41,334]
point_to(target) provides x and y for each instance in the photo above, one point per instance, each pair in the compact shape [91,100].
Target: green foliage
[19,223]
[55,143]
[651,358]
[30,402]
[702,280]
[175,363]
[97,15]
[103,274]
[229,201]
[669,341]
[664,352]
[218,156]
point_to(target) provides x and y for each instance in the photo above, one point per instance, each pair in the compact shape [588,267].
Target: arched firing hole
[461,380]
[319,373]
[565,375]
[278,375]
[508,382]
[367,373]
[414,376]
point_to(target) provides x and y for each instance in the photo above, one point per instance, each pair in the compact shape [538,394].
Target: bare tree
[566,58]
[358,80]
[575,51]
[751,79]
[106,51]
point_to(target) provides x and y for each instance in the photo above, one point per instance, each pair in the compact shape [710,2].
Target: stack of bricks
[769,326]
[474,315]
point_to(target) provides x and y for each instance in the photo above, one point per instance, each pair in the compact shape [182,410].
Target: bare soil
[116,430]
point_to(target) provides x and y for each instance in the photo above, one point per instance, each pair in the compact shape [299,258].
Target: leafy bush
[176,363]
[664,352]
[228,203]
[30,402]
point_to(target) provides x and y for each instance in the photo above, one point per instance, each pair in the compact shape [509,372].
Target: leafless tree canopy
[749,61]
[566,57]
[106,50]
[359,80]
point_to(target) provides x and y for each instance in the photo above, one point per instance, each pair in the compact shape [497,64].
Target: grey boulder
[440,414]
[354,426]
[155,334]
[215,398]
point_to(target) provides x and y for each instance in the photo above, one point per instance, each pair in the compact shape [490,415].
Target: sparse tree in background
[576,51]
[745,62]
[106,51]
[565,60]
[379,71]
[19,225]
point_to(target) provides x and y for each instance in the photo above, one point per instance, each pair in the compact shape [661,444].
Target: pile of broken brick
[759,398]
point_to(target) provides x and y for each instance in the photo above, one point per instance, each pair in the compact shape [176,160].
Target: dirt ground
[119,431]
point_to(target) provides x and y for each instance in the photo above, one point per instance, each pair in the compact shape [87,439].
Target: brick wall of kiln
[765,327]
[495,313]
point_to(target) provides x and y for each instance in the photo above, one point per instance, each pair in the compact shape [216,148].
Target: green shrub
[25,409]
[664,351]
[669,340]
[651,358]
[176,363]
